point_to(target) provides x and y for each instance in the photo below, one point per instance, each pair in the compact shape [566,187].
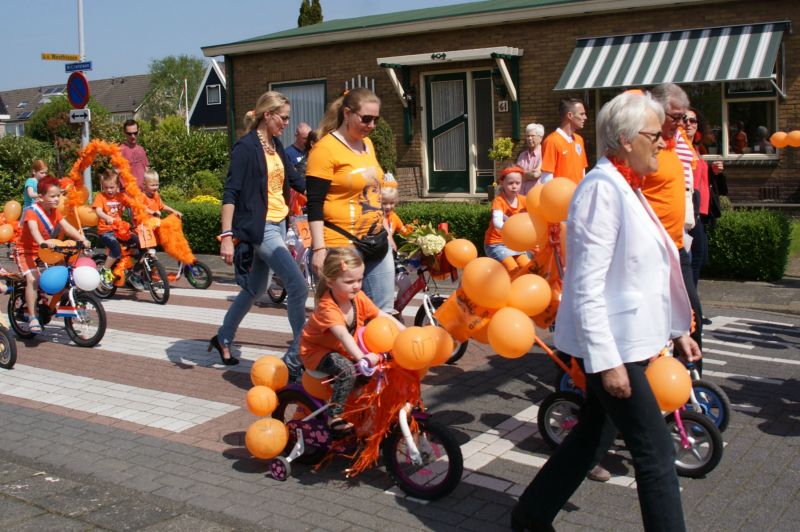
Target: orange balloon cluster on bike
[267,437]
[499,306]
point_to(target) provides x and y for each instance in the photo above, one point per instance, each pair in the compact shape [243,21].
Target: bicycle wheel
[714,403]
[16,314]
[157,280]
[558,415]
[295,405]
[705,444]
[421,320]
[442,462]
[275,290]
[8,349]
[199,275]
[89,327]
[101,291]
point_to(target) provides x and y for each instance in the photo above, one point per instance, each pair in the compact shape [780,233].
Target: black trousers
[646,437]
[694,301]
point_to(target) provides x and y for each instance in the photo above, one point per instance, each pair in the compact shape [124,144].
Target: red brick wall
[547,47]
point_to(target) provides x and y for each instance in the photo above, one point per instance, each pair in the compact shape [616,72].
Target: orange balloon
[414,348]
[519,233]
[261,400]
[793,139]
[533,197]
[530,293]
[379,334]
[779,139]
[555,198]
[6,233]
[421,373]
[12,210]
[670,382]
[511,333]
[266,438]
[444,344]
[482,335]
[486,282]
[548,317]
[87,216]
[540,226]
[269,371]
[459,252]
[316,387]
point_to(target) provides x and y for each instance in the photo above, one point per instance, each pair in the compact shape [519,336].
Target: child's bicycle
[8,346]
[431,299]
[198,274]
[142,269]
[299,243]
[420,455]
[83,314]
[697,440]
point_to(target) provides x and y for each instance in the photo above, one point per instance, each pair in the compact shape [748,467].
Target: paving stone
[51,522]
[185,522]
[13,511]
[130,514]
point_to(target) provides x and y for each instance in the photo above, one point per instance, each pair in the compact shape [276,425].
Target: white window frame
[726,155]
[219,92]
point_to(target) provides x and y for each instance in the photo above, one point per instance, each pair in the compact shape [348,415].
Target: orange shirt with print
[563,158]
[153,202]
[664,190]
[353,201]
[112,206]
[317,339]
[26,243]
[394,222]
[500,203]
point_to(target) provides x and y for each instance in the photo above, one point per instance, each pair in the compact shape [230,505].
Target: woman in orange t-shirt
[344,181]
[327,344]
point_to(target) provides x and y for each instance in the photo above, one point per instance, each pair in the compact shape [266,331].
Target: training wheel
[280,469]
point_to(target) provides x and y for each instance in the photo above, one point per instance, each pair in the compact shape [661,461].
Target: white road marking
[735,376]
[753,357]
[722,342]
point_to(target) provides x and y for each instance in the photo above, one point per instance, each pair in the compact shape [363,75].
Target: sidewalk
[782,296]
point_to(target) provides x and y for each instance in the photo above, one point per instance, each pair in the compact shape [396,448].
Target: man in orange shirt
[563,151]
[664,189]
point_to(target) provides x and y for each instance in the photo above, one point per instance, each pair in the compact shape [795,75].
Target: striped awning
[689,56]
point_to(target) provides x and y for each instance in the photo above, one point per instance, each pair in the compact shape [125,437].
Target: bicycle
[421,456]
[8,347]
[198,274]
[83,314]
[430,301]
[143,271]
[300,237]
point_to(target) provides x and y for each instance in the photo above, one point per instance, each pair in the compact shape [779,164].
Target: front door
[447,133]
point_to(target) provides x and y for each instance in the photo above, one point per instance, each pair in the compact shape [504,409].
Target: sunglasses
[691,120]
[677,117]
[285,118]
[134,133]
[366,119]
[653,137]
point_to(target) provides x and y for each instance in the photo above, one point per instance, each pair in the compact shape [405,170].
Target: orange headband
[511,170]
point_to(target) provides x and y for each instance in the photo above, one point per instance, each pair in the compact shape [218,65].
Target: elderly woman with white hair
[530,159]
[623,301]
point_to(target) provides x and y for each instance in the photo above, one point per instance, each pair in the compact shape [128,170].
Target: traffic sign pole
[85,131]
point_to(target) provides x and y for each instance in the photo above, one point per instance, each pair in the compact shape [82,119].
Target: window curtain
[308,105]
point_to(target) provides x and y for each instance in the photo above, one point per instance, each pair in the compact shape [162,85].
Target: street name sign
[61,57]
[78,67]
[79,116]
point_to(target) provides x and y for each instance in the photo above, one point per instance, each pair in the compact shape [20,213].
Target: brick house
[453,78]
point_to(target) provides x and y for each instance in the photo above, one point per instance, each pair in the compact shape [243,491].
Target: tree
[310,13]
[316,12]
[166,84]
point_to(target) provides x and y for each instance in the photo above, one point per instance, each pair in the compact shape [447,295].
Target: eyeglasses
[652,136]
[134,133]
[366,119]
[285,118]
[690,120]
[678,117]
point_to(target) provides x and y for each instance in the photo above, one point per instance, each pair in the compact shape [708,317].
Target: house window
[213,95]
[23,103]
[308,104]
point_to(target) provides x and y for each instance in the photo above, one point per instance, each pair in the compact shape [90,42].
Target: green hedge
[16,156]
[749,245]
[201,225]
[465,220]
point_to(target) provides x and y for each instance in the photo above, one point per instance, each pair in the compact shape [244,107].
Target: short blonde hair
[150,175]
[389,193]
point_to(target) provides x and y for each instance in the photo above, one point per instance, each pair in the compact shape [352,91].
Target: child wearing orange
[327,344]
[153,203]
[391,219]
[508,203]
[109,205]
[40,222]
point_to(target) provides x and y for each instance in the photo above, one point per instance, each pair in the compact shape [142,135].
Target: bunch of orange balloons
[781,139]
[11,213]
[414,348]
[266,438]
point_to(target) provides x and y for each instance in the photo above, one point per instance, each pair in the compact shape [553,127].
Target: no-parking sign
[78,90]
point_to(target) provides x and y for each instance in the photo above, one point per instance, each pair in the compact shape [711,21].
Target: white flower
[431,244]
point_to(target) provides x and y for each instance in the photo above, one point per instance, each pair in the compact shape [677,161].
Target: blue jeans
[110,241]
[271,254]
[379,282]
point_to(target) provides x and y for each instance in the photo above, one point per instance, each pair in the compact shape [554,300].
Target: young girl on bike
[327,344]
[508,203]
[41,222]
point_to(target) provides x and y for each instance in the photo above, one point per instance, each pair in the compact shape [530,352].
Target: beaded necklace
[268,147]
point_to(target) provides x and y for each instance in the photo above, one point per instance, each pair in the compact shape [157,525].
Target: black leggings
[342,368]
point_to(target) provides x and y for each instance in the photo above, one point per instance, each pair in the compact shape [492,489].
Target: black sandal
[341,429]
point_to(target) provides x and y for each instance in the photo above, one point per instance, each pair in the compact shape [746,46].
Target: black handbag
[373,248]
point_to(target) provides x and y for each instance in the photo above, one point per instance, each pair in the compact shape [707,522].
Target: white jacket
[623,295]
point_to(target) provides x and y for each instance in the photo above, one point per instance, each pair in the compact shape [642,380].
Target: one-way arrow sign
[78,116]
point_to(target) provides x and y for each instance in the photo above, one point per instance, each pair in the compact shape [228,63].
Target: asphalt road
[145,431]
